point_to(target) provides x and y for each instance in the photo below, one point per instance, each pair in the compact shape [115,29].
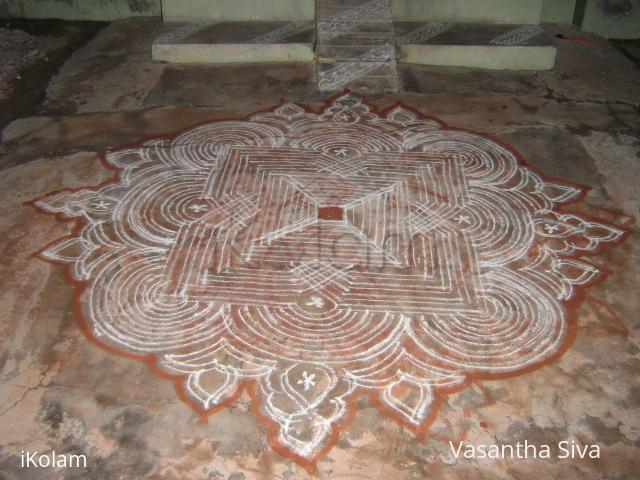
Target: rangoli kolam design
[308,256]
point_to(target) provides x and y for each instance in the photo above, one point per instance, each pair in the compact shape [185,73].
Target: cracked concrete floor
[579,122]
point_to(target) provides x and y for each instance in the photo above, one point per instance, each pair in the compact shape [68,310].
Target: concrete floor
[58,391]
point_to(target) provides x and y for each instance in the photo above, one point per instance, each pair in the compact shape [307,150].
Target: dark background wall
[80,9]
[609,18]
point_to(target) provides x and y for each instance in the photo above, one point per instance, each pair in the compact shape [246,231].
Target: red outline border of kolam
[571,306]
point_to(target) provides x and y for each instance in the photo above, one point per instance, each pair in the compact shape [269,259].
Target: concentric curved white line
[253,338]
[508,339]
[121,309]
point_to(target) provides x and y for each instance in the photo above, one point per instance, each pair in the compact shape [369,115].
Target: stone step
[376,43]
[235,42]
[329,31]
[363,77]
[356,46]
[346,53]
[502,47]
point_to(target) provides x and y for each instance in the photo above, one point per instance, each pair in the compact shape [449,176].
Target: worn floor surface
[59,391]
[32,51]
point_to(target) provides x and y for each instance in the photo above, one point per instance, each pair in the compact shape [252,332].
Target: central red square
[330,213]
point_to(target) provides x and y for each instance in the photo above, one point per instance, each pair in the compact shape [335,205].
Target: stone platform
[235,42]
[501,47]
[358,46]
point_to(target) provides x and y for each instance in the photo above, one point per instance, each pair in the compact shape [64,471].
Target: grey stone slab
[238,33]
[515,57]
[441,33]
[330,28]
[349,53]
[356,40]
[172,33]
[499,47]
[222,53]
[364,68]
[235,42]
[333,77]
